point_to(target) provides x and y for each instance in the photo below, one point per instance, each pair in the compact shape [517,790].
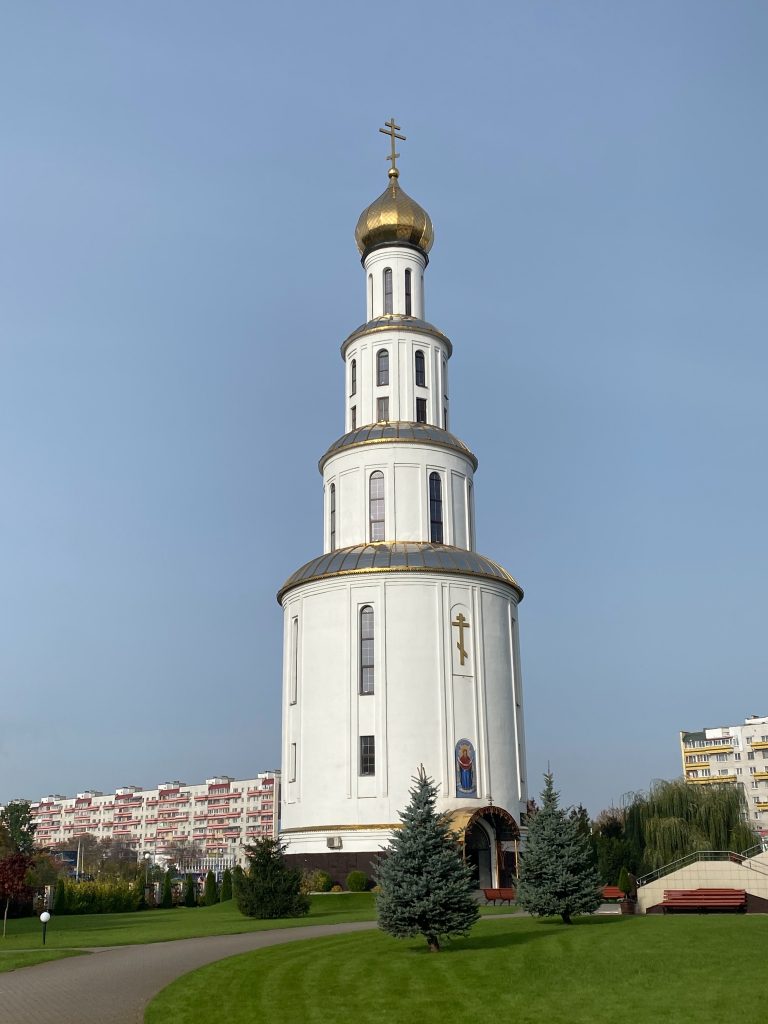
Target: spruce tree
[226,886]
[426,889]
[557,875]
[269,888]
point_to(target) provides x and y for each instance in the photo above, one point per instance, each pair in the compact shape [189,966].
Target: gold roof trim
[397,322]
[399,557]
[416,433]
[341,828]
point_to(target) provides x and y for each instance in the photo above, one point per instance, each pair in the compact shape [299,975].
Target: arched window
[470,517]
[382,367]
[333,516]
[407,293]
[376,505]
[353,378]
[421,374]
[388,291]
[370,296]
[366,650]
[435,508]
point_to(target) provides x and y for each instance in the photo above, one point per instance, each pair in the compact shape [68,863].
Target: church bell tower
[400,641]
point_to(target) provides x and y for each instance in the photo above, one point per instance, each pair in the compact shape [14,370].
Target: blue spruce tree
[426,889]
[558,874]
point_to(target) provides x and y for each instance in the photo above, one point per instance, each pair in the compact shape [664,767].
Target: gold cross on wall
[392,129]
[462,624]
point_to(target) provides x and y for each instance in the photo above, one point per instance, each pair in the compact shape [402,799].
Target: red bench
[704,900]
[502,895]
[613,892]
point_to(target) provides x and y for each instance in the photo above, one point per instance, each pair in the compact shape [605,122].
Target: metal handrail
[691,858]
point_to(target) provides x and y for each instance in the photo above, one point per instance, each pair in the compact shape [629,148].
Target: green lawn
[26,958]
[602,970]
[182,923]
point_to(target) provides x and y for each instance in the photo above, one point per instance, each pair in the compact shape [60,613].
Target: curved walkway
[114,985]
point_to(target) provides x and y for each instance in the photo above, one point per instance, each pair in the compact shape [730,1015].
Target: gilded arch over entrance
[489,838]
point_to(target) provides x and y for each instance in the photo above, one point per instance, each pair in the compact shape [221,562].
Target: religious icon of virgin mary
[465,768]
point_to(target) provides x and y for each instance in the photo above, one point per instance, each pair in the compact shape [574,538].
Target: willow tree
[676,818]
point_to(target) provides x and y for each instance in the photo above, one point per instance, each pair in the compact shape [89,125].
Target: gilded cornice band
[341,828]
[399,557]
[397,322]
[398,432]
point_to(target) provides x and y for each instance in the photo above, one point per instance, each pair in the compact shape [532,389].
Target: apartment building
[219,815]
[732,753]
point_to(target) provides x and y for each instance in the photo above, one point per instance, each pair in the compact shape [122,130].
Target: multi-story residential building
[732,753]
[219,816]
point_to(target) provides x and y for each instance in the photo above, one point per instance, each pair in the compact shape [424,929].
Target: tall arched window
[388,291]
[370,296]
[353,378]
[376,505]
[366,650]
[470,517]
[382,367]
[407,293]
[421,373]
[332,516]
[435,508]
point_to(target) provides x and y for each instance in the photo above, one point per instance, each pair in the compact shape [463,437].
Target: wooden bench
[502,895]
[704,900]
[613,892]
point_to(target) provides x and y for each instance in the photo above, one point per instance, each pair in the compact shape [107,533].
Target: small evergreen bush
[357,881]
[226,886]
[60,897]
[210,892]
[190,892]
[269,888]
[166,900]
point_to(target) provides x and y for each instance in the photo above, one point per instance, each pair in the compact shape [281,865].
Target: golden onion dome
[394,217]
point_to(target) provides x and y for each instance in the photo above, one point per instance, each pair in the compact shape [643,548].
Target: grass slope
[28,957]
[182,923]
[610,969]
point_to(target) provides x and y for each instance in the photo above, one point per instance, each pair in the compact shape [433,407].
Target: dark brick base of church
[338,865]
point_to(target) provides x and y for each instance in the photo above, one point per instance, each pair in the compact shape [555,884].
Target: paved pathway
[113,986]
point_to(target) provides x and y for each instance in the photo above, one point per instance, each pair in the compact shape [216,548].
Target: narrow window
[421,376]
[382,409]
[421,410]
[366,650]
[407,293]
[470,517]
[294,659]
[445,380]
[370,296]
[292,774]
[353,381]
[435,508]
[353,418]
[382,367]
[376,505]
[333,516]
[367,755]
[445,418]
[387,290]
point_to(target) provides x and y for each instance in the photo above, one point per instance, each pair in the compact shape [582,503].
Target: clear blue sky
[179,185]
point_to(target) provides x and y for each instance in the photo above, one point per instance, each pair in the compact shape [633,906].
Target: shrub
[226,886]
[210,893]
[357,881]
[336,888]
[97,897]
[190,892]
[624,883]
[166,900]
[316,881]
[269,888]
[60,897]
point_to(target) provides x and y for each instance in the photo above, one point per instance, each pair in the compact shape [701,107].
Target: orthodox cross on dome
[391,130]
[461,623]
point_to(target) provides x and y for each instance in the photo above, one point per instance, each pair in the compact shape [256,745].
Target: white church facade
[400,640]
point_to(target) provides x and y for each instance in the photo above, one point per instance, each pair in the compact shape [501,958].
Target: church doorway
[477,850]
